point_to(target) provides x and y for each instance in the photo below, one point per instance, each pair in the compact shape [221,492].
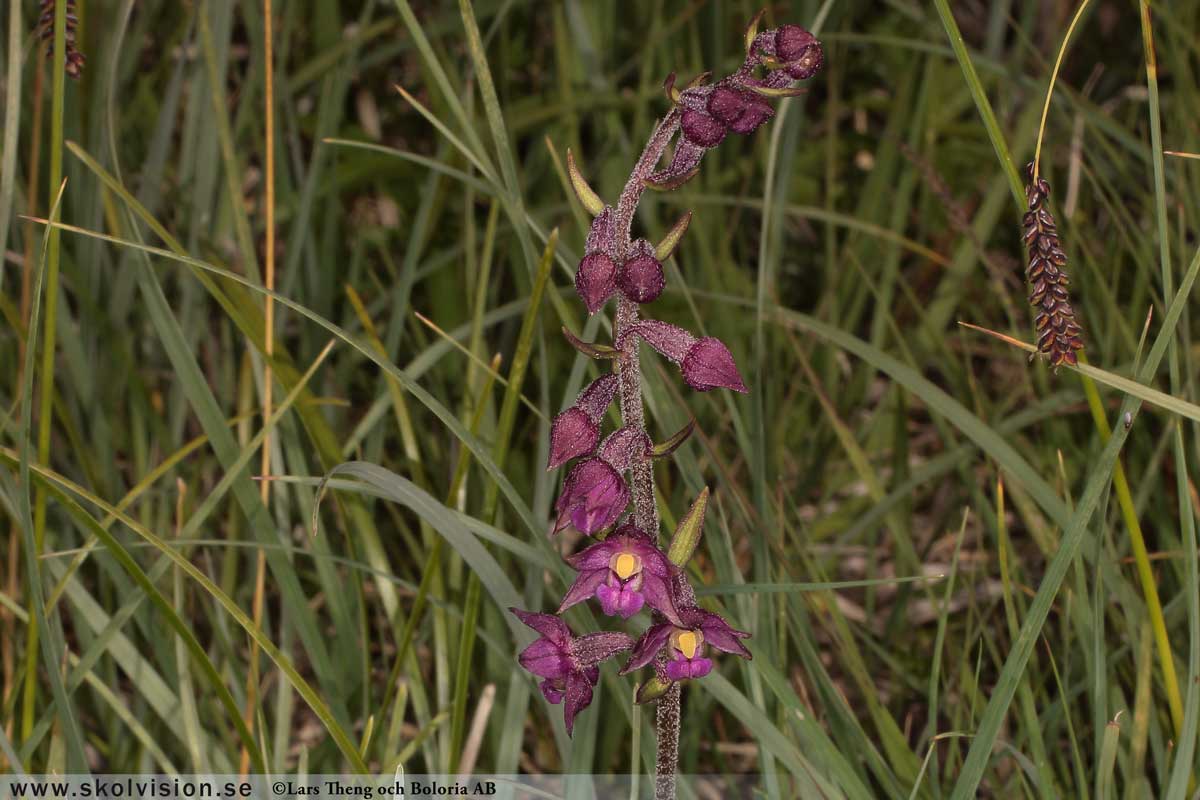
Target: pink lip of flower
[624,572]
[593,496]
[686,643]
[567,663]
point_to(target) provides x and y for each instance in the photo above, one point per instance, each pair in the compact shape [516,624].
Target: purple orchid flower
[705,362]
[799,50]
[576,431]
[596,277]
[641,276]
[624,572]
[593,496]
[685,644]
[566,663]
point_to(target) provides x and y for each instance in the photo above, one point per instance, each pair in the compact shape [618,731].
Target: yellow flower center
[625,565]
[687,642]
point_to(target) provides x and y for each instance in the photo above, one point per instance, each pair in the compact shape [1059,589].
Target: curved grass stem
[1141,558]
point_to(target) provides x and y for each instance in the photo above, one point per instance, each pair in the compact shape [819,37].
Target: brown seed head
[1058,334]
[45,28]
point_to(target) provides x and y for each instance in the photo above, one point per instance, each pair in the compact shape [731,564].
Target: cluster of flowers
[625,571]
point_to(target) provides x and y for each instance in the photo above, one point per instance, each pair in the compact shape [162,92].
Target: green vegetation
[966,575]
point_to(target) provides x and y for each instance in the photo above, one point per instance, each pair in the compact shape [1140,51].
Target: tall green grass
[914,520]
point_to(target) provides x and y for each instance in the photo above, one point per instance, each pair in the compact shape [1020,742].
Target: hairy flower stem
[667,758]
[633,415]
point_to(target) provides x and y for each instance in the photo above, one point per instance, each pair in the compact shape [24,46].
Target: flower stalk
[627,571]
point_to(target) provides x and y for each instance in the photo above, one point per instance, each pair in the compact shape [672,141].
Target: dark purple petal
[593,496]
[791,41]
[755,114]
[800,50]
[598,396]
[647,647]
[709,365]
[625,447]
[807,65]
[658,596]
[597,556]
[682,669]
[726,104]
[595,280]
[671,341]
[583,587]
[718,633]
[578,697]
[641,279]
[700,129]
[571,434]
[551,691]
[653,560]
[620,600]
[547,625]
[545,659]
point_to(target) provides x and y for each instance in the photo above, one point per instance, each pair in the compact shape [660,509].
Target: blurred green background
[903,507]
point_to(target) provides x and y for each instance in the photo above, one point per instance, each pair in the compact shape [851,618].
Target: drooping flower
[624,572]
[740,110]
[685,644]
[571,434]
[705,362]
[709,365]
[576,431]
[596,276]
[567,664]
[701,129]
[593,496]
[799,50]
[640,277]
[625,447]
[595,280]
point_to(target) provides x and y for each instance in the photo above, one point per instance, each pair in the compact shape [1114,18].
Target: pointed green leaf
[650,691]
[587,196]
[671,240]
[687,532]
[671,444]
[590,349]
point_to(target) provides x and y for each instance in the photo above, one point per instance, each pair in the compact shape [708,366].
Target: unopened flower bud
[709,365]
[571,434]
[726,104]
[756,112]
[641,278]
[701,129]
[595,280]
[800,50]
